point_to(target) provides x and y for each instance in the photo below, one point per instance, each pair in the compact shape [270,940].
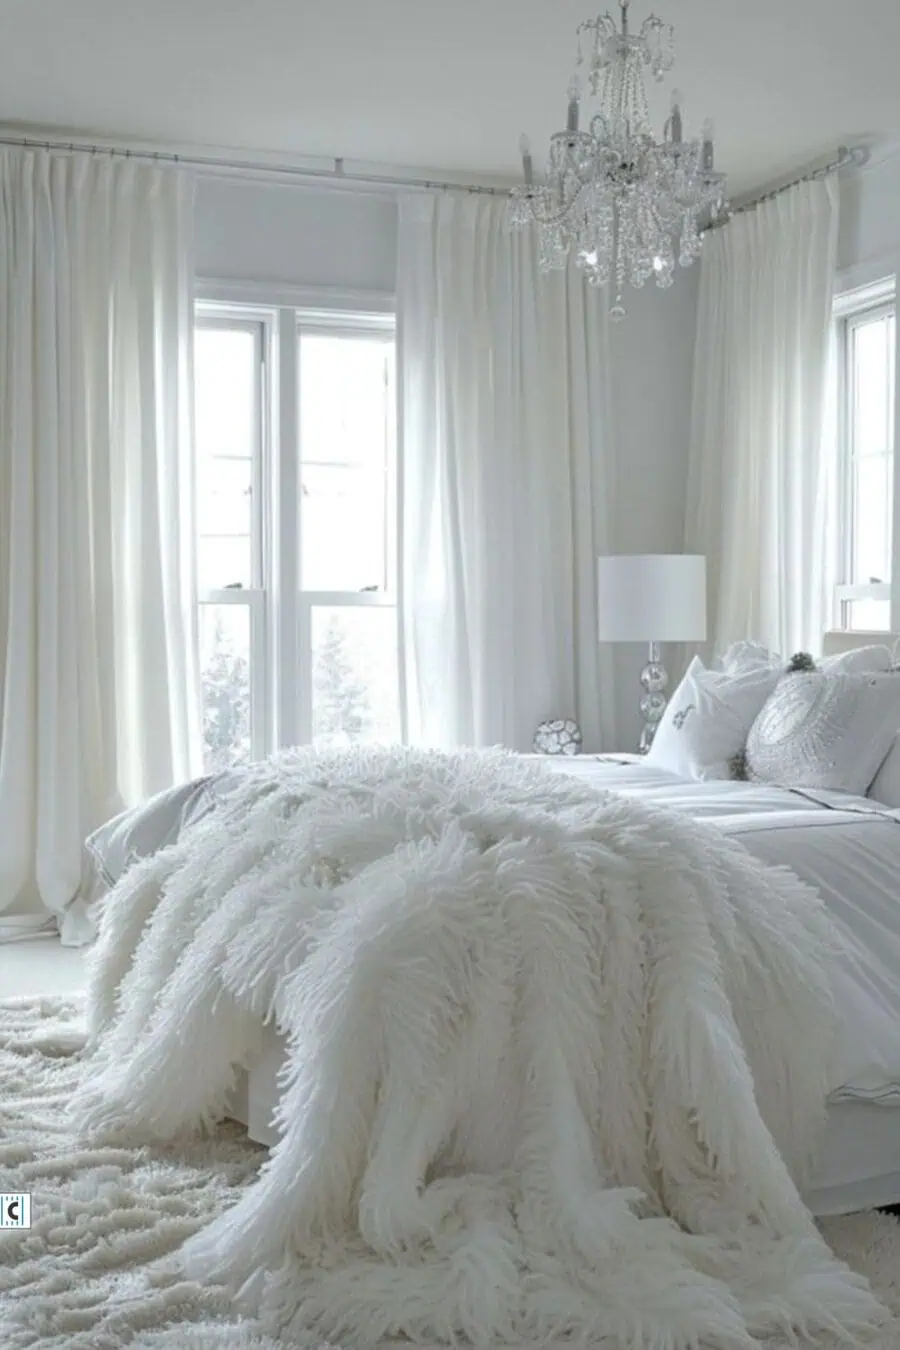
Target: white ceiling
[446,86]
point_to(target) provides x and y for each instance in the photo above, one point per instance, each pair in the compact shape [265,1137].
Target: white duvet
[849,849]
[556,1060]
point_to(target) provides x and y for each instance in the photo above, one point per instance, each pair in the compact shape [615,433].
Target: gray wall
[652,357]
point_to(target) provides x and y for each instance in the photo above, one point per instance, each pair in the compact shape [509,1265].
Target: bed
[849,848]
[465,952]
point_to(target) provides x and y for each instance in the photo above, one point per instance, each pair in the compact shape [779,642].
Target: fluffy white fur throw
[555,1057]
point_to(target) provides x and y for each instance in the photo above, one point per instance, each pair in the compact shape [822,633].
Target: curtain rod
[336,174]
[857,155]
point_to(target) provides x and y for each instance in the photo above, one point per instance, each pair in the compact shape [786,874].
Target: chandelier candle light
[613,196]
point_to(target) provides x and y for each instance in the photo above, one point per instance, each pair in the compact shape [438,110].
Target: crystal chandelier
[621,202]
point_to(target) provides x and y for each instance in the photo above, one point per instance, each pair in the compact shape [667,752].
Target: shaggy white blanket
[556,1059]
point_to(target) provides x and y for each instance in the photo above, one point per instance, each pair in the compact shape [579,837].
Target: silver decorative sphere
[653,706]
[558,736]
[655,677]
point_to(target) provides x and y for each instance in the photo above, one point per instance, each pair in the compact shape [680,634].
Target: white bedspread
[849,849]
[515,1007]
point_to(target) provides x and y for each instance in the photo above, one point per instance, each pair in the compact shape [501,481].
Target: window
[296,521]
[866,379]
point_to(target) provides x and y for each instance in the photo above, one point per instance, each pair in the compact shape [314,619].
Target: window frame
[281,611]
[852,309]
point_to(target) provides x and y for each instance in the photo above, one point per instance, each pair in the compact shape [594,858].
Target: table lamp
[652,598]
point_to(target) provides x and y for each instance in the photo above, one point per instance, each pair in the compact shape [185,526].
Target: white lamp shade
[651,597]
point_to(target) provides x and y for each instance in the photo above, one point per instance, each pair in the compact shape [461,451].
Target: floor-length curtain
[98,679]
[759,484]
[506,481]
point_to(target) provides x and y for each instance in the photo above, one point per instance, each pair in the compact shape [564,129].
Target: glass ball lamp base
[654,682]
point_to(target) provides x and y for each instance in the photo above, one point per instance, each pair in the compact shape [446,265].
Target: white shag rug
[77,1280]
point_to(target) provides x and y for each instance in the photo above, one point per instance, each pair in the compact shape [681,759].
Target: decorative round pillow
[560,736]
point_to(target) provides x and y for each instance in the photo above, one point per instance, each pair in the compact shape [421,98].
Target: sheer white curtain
[506,481]
[759,485]
[98,680]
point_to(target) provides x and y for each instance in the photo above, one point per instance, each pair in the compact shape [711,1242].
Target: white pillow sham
[708,717]
[886,787]
[746,655]
[821,729]
[872,658]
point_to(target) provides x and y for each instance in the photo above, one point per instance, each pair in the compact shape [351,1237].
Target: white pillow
[747,655]
[741,655]
[145,829]
[825,730]
[708,717]
[872,658]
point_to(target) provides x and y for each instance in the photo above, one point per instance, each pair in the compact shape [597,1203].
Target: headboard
[835,642]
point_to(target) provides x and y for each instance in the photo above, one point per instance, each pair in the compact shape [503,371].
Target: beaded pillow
[820,729]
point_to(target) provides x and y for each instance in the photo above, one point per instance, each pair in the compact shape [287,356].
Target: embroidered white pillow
[825,730]
[708,717]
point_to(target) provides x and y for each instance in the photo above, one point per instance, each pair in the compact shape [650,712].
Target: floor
[40,965]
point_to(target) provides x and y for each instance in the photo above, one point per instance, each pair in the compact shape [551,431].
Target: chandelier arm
[553,218]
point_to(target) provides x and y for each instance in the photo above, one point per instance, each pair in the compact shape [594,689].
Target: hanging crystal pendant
[628,208]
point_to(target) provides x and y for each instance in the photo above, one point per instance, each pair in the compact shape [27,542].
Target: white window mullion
[304,686]
[844,470]
[286,538]
[260,728]
[867,548]
[263,617]
[895,514]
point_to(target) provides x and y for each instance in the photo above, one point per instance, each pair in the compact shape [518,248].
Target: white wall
[300,236]
[869,240]
[281,232]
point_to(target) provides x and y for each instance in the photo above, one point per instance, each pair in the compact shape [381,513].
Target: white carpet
[79,1279]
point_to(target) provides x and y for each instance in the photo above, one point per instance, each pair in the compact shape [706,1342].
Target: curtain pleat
[99,693]
[759,483]
[506,478]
